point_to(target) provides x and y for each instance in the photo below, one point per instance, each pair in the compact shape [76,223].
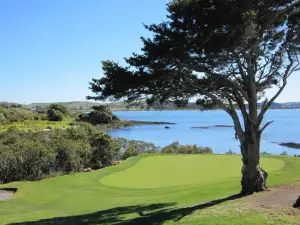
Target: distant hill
[291,104]
[76,105]
[86,105]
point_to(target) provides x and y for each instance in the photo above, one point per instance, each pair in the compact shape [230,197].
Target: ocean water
[286,128]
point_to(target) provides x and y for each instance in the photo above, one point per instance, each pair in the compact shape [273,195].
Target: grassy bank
[37,125]
[148,190]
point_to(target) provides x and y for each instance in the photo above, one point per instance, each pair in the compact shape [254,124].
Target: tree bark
[254,178]
[297,204]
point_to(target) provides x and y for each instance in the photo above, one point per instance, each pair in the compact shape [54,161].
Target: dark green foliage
[34,155]
[130,152]
[291,145]
[102,108]
[226,53]
[9,115]
[60,108]
[265,153]
[101,115]
[176,148]
[230,153]
[67,157]
[104,150]
[25,160]
[180,103]
[115,118]
[131,148]
[98,117]
[54,115]
[284,153]
[57,112]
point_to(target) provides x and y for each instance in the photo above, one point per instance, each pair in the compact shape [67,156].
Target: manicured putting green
[166,171]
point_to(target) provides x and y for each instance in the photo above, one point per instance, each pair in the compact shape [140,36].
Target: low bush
[34,155]
[284,153]
[176,148]
[230,153]
[130,148]
[10,115]
[100,115]
[265,153]
[130,152]
[57,112]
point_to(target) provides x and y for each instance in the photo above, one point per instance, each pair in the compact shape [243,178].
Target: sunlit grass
[88,199]
[36,125]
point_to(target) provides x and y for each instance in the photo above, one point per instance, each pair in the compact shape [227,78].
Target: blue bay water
[286,128]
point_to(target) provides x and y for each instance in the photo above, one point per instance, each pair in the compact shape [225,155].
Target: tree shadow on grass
[153,214]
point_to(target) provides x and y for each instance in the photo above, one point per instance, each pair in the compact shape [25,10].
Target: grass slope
[85,199]
[37,125]
[164,171]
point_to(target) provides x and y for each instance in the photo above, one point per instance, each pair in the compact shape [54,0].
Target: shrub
[25,160]
[2,118]
[176,148]
[34,155]
[100,115]
[9,115]
[36,160]
[55,115]
[9,167]
[102,108]
[265,153]
[130,152]
[114,117]
[67,158]
[97,117]
[230,153]
[57,112]
[104,150]
[284,153]
[167,150]
[129,147]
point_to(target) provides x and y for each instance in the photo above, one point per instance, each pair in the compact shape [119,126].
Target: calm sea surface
[286,128]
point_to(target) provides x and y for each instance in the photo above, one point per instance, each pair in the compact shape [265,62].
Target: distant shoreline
[185,109]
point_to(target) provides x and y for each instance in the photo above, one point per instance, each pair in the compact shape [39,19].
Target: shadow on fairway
[154,214]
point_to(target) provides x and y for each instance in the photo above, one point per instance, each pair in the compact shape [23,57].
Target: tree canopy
[57,112]
[223,52]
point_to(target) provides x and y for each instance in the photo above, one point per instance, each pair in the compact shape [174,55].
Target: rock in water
[297,204]
[167,127]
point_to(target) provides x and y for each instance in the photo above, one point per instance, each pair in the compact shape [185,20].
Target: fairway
[165,171]
[158,186]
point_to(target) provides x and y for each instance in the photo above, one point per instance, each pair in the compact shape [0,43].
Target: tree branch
[285,76]
[266,125]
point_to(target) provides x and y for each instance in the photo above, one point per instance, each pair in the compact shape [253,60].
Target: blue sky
[50,50]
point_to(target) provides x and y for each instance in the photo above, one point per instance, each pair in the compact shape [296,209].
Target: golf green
[175,170]
[150,189]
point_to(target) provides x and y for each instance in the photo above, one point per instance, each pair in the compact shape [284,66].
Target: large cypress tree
[226,53]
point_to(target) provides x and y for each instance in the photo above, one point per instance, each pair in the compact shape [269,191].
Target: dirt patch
[279,199]
[7,193]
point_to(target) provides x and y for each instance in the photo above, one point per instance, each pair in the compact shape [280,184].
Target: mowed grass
[37,125]
[88,199]
[166,171]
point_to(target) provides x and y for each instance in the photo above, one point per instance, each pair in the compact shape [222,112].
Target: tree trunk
[297,204]
[254,178]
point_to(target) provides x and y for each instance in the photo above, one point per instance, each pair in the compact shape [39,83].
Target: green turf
[165,171]
[84,199]
[37,125]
